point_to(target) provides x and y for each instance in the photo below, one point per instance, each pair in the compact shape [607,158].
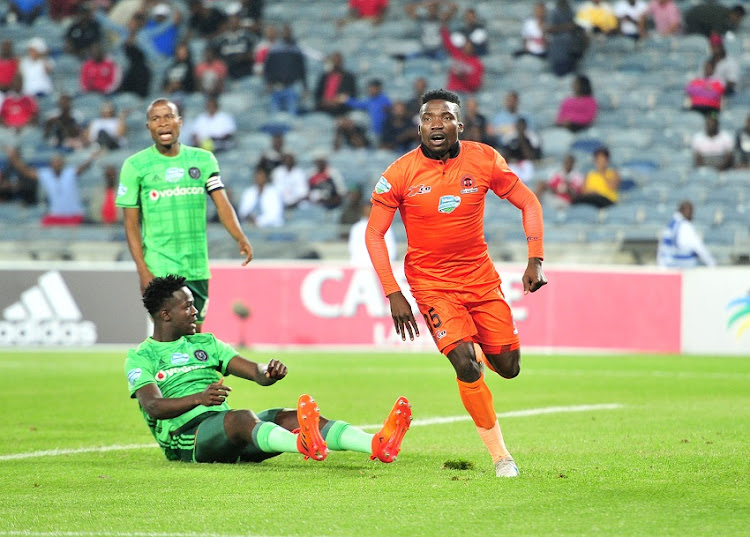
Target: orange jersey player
[440,189]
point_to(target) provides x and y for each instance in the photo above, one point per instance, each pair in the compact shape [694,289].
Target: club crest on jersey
[448,204]
[418,189]
[194,172]
[179,358]
[200,355]
[468,185]
[382,185]
[174,174]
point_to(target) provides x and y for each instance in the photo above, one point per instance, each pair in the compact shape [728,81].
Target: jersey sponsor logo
[180,358]
[134,375]
[418,189]
[122,190]
[163,375]
[440,334]
[448,204]
[194,173]
[155,195]
[201,355]
[46,314]
[173,175]
[382,185]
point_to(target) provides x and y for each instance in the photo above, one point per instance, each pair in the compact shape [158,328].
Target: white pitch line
[415,423]
[22,533]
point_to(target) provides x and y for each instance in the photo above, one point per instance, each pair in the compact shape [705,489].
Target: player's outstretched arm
[228,219]
[263,374]
[162,408]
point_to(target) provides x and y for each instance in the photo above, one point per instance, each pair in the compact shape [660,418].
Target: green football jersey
[171,193]
[183,367]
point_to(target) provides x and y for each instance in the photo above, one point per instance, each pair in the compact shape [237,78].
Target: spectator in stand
[109,130]
[8,64]
[563,185]
[712,17]
[430,15]
[24,11]
[261,49]
[36,68]
[358,255]
[705,92]
[400,132]
[211,73]
[680,245]
[377,104]
[18,110]
[84,31]
[352,209]
[602,183]
[60,10]
[214,129]
[713,148]
[108,212]
[235,46]
[473,30]
[137,76]
[326,184]
[726,68]
[414,104]
[476,126]
[532,33]
[274,155]
[350,134]
[100,73]
[291,182]
[742,145]
[504,123]
[566,41]
[521,149]
[285,72]
[205,21]
[466,68]
[334,86]
[163,28]
[251,15]
[597,17]
[261,203]
[579,111]
[373,10]
[180,75]
[64,129]
[60,184]
[667,17]
[155,37]
[631,15]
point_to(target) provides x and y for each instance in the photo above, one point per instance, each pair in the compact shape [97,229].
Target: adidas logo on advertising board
[46,314]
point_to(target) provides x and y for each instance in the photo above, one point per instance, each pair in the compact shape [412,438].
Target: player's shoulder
[202,338]
[197,152]
[475,148]
[404,162]
[142,155]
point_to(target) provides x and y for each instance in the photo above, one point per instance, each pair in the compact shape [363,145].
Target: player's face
[164,124]
[439,126]
[182,313]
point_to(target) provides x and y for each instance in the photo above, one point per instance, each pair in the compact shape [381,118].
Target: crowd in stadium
[614,112]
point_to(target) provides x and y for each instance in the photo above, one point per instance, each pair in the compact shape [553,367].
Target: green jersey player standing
[163,195]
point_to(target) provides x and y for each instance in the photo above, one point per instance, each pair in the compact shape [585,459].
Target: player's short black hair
[441,95]
[160,290]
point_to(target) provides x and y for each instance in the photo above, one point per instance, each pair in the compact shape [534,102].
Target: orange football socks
[477,400]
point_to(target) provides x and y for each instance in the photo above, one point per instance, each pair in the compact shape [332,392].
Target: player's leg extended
[199,288]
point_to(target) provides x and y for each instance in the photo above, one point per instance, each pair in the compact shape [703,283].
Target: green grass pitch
[669,457]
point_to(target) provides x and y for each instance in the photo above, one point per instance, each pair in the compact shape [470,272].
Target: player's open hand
[533,278]
[403,318]
[215,394]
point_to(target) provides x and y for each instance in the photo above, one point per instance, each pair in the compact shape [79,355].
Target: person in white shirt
[532,33]
[713,147]
[632,17]
[214,129]
[291,181]
[261,203]
[680,246]
[358,255]
[36,68]
[109,129]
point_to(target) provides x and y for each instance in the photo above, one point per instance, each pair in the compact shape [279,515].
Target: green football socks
[272,438]
[340,436]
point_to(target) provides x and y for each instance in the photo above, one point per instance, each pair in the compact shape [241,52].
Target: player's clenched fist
[215,394]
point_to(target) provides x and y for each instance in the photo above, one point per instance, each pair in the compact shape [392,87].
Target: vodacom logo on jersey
[155,195]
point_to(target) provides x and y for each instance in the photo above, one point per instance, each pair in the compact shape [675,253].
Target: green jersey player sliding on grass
[178,375]
[163,195]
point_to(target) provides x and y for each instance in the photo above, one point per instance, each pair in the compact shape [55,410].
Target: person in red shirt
[705,93]
[8,64]
[100,73]
[439,188]
[374,10]
[466,68]
[18,110]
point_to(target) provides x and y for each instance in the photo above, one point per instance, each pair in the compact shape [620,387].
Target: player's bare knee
[239,424]
[464,361]
[507,364]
